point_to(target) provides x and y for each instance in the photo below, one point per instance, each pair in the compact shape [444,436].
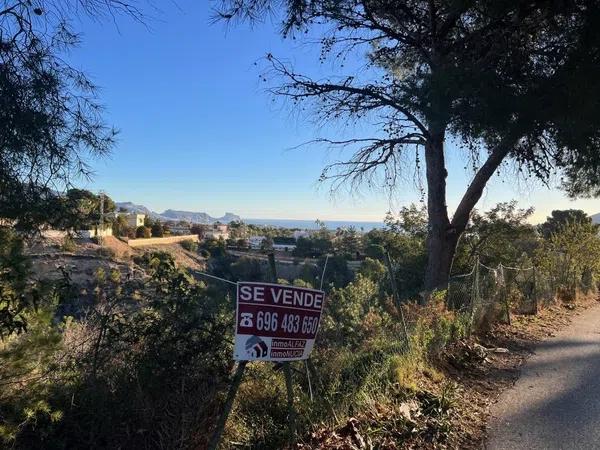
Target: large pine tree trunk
[442,236]
[441,247]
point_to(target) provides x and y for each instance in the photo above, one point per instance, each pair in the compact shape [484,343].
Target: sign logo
[256,347]
[276,322]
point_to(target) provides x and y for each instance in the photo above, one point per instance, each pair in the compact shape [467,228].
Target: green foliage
[28,386]
[189,245]
[68,244]
[559,219]
[157,229]
[336,271]
[149,357]
[498,236]
[215,247]
[121,227]
[143,232]
[154,354]
[15,297]
[570,255]
[348,243]
[80,209]
[411,220]
[404,239]
[347,311]
[238,230]
[314,246]
[373,270]
[50,117]
[247,269]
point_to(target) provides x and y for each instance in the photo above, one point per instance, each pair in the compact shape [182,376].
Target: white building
[136,220]
[217,231]
[301,234]
[255,242]
[96,232]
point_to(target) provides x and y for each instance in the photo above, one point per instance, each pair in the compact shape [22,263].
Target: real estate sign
[276,322]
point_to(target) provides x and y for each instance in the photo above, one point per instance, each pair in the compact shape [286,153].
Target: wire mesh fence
[492,294]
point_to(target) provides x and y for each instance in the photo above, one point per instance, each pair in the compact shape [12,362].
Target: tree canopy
[559,219]
[482,74]
[51,119]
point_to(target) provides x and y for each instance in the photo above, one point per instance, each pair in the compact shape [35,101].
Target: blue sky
[198,132]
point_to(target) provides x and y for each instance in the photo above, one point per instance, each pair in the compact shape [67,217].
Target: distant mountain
[132,207]
[596,218]
[174,215]
[198,217]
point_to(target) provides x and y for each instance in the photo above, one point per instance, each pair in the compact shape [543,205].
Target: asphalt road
[555,404]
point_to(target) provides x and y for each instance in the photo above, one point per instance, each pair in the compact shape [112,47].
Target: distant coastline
[311,224]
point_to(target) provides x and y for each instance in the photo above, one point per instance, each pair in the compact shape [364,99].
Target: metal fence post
[535,291]
[474,294]
[505,294]
[390,268]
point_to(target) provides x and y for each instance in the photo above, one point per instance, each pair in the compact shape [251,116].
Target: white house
[255,242]
[217,231]
[135,220]
[95,232]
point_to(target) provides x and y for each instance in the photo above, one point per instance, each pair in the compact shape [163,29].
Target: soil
[182,257]
[49,257]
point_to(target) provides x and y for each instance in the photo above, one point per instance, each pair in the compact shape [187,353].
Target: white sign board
[276,322]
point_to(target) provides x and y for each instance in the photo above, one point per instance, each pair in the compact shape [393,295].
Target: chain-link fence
[492,294]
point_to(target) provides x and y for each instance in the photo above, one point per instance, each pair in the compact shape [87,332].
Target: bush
[158,367]
[106,252]
[157,229]
[143,232]
[68,244]
[190,245]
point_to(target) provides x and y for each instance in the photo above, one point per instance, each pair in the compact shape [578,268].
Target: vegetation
[140,355]
[50,117]
[190,245]
[157,229]
[430,76]
[153,354]
[143,232]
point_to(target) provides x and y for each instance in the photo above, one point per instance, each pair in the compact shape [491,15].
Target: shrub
[140,360]
[157,229]
[190,245]
[68,244]
[106,252]
[143,232]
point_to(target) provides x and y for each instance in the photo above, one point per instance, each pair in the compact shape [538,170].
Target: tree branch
[475,189]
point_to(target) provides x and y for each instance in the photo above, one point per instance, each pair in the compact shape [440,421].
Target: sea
[312,224]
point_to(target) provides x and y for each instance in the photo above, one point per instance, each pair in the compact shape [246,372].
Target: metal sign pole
[287,370]
[235,384]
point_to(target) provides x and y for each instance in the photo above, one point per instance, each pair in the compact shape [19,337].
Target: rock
[499,350]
